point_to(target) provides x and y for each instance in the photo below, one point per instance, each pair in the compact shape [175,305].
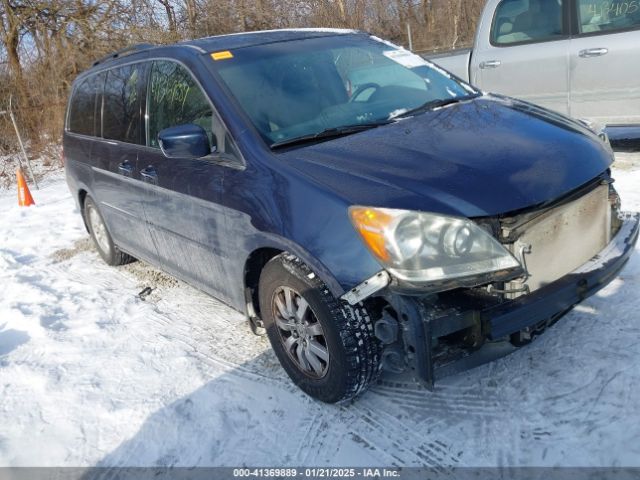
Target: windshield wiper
[432,104]
[334,132]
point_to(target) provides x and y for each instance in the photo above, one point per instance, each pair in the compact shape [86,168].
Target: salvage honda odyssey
[364,208]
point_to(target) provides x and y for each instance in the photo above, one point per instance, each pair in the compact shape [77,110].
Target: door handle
[490,64]
[593,52]
[125,168]
[149,175]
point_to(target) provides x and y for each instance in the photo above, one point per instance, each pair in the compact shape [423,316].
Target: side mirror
[184,141]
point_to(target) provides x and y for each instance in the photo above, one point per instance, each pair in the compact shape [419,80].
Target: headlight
[424,247]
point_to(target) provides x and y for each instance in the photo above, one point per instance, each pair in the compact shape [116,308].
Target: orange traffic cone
[24,195]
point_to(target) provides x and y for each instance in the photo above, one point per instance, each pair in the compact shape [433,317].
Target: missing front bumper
[423,325]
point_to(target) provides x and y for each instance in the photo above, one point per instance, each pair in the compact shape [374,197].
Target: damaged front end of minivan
[456,293]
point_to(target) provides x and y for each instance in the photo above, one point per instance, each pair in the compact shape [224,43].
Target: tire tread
[354,323]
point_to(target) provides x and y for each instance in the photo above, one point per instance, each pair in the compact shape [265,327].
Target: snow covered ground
[92,375]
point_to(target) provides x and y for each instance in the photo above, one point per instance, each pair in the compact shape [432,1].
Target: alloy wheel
[300,332]
[99,230]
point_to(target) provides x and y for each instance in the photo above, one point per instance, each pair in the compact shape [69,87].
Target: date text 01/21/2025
[317,472]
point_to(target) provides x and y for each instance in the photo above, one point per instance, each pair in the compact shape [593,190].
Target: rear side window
[527,21]
[84,112]
[176,99]
[121,119]
[606,16]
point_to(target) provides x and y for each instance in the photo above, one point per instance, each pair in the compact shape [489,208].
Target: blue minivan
[364,208]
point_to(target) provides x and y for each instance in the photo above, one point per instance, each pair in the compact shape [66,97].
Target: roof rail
[125,51]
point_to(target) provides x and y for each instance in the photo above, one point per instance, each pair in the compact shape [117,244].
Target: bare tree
[10,29]
[44,44]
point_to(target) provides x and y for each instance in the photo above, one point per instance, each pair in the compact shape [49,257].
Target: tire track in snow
[418,452]
[314,442]
[179,324]
[364,431]
[451,400]
[185,334]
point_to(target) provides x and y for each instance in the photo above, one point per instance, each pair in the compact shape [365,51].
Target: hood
[483,157]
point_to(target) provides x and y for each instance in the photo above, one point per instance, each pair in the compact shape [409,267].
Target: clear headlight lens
[424,247]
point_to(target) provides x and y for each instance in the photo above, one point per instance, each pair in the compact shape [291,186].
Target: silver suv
[577,57]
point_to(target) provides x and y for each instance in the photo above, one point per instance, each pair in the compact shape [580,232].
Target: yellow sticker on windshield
[222,55]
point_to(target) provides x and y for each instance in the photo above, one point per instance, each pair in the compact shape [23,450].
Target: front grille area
[559,240]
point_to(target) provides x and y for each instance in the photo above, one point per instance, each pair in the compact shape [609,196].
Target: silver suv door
[522,51]
[605,62]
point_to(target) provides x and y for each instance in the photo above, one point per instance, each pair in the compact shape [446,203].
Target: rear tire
[102,240]
[327,347]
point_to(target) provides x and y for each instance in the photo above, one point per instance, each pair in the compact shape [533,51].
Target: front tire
[101,237]
[327,347]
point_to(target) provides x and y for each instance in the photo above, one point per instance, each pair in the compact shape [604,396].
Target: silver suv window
[527,21]
[605,15]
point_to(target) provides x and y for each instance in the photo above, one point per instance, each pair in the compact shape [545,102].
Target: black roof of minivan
[249,39]
[232,41]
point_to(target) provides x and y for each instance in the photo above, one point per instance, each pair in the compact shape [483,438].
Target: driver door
[183,208]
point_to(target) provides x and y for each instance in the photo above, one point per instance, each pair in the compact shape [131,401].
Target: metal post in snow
[409,35]
[24,152]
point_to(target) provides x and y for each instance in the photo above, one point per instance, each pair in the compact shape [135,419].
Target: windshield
[302,88]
